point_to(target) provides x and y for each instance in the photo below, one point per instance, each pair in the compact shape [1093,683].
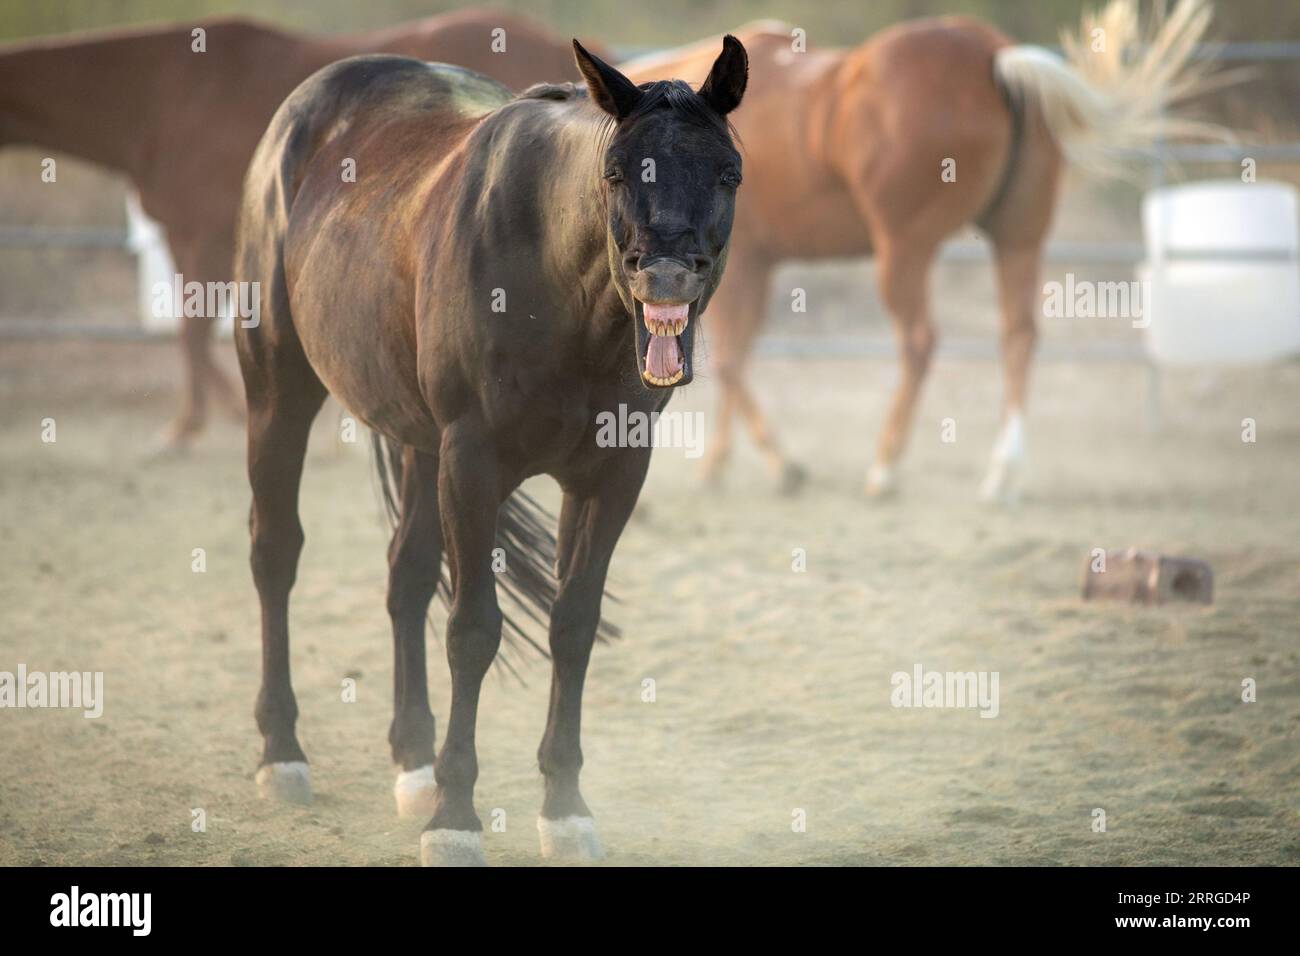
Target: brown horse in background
[845,155]
[183,124]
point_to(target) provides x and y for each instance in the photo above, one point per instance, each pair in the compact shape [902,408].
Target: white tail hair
[1109,95]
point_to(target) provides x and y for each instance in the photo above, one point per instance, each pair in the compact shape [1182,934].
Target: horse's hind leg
[591,520]
[203,373]
[414,558]
[469,495]
[1018,268]
[737,313]
[903,269]
[284,395]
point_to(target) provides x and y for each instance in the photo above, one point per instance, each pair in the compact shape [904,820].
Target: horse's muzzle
[669,281]
[667,293]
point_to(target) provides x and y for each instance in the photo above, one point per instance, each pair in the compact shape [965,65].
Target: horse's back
[352,96]
[324,220]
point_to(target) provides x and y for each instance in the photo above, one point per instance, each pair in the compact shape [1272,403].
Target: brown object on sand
[1146,577]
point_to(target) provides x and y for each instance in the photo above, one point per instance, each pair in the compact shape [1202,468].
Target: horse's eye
[731,177]
[613,175]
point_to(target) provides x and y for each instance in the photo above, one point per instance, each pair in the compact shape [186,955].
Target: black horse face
[670,175]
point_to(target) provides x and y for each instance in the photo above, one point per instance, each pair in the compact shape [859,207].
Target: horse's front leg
[591,520]
[468,498]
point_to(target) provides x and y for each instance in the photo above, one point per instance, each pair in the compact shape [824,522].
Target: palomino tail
[523,534]
[1110,94]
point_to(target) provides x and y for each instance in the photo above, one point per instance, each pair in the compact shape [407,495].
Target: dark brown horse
[183,124]
[890,147]
[502,271]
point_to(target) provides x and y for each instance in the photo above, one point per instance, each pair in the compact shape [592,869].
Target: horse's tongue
[663,359]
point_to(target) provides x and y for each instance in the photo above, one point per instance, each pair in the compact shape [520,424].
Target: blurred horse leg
[201,260]
[736,317]
[1018,267]
[903,268]
[1018,229]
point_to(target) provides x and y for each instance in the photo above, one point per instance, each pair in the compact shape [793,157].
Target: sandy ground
[772,687]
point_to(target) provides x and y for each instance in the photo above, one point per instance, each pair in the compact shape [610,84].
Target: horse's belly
[362,364]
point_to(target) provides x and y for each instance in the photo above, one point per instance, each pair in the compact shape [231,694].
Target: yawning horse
[182,122]
[501,272]
[889,148]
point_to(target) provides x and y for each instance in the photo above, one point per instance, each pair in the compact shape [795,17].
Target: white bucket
[1222,277]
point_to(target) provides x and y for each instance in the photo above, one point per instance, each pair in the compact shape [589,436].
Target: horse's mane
[675,95]
[552,91]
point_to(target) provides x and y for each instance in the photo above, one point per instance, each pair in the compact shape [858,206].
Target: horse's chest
[559,429]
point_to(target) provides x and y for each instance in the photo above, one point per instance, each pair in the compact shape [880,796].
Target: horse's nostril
[702,263]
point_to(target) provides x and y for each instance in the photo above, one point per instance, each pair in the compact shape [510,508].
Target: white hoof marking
[452,848]
[1006,465]
[414,791]
[881,481]
[570,838]
[287,782]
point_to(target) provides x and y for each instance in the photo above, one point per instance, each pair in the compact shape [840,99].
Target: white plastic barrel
[154,264]
[146,238]
[1223,286]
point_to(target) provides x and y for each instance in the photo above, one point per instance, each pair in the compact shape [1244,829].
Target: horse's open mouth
[665,337]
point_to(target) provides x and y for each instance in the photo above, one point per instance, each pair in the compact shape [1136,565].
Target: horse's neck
[85,98]
[578,193]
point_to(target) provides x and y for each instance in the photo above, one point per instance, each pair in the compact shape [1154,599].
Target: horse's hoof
[414,791]
[712,479]
[452,848]
[287,782]
[881,482]
[793,478]
[570,838]
[1005,476]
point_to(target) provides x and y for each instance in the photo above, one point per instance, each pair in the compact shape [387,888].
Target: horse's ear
[610,90]
[726,83]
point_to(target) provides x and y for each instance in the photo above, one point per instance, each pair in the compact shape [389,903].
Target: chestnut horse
[183,124]
[846,154]
[501,272]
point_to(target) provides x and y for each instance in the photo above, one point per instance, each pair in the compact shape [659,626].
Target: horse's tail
[527,552]
[1110,94]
